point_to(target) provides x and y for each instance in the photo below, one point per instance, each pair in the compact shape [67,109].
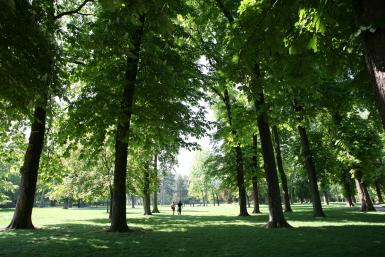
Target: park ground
[200,231]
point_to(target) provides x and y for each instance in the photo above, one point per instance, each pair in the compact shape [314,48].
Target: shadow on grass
[207,240]
[165,235]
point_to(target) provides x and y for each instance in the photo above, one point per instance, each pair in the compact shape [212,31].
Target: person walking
[173,208]
[180,208]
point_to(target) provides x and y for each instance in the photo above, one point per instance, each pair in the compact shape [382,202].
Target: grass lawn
[200,231]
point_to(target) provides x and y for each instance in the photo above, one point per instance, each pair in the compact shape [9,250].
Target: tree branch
[225,12]
[75,11]
[216,91]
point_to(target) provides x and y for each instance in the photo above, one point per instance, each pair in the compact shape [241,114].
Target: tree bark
[156,182]
[378,192]
[349,202]
[66,203]
[286,196]
[366,201]
[326,198]
[372,13]
[254,179]
[146,191]
[132,201]
[347,188]
[29,171]
[217,200]
[311,173]
[276,217]
[256,208]
[111,199]
[118,219]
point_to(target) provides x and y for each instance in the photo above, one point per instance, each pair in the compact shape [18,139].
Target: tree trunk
[372,12]
[29,172]
[118,219]
[217,200]
[286,196]
[254,179]
[326,198]
[378,192]
[276,217]
[132,201]
[241,181]
[347,189]
[349,201]
[111,199]
[366,201]
[238,157]
[155,207]
[309,166]
[248,201]
[42,202]
[146,191]
[66,203]
[212,193]
[255,195]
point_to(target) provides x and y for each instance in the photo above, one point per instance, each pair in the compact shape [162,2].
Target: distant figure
[180,208]
[173,208]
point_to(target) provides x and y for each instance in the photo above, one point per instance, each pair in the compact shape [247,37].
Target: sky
[185,157]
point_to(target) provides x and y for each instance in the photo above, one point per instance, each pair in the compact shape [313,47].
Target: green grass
[200,231]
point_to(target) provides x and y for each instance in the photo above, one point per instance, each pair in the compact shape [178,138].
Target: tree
[281,171]
[369,15]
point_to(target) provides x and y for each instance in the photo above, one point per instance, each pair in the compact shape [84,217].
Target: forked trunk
[29,172]
[309,166]
[118,218]
[286,196]
[366,201]
[276,217]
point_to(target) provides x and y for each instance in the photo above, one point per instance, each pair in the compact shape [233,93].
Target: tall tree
[369,15]
[281,171]
[156,184]
[254,179]
[146,189]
